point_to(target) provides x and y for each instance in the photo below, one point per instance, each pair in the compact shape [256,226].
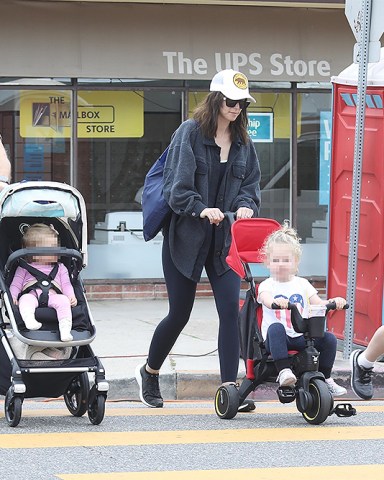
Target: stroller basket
[71,362]
[315,326]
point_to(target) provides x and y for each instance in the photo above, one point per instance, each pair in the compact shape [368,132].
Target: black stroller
[63,207]
[312,396]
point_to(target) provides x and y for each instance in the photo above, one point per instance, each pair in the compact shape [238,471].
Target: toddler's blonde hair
[35,233]
[285,235]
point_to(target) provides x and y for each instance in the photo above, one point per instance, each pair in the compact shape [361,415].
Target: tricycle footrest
[344,410]
[286,394]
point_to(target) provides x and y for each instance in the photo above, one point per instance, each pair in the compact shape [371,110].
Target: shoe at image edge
[361,378]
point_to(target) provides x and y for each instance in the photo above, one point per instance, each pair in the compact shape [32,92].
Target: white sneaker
[335,389]
[286,378]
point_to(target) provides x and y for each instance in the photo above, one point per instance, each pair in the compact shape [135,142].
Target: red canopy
[248,235]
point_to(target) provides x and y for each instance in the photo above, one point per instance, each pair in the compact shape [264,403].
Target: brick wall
[152,289]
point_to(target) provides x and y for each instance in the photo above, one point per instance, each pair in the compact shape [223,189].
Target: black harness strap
[43,282]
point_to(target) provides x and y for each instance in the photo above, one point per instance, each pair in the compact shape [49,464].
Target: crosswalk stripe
[177,437]
[342,472]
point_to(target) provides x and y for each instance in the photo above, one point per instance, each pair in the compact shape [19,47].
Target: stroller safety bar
[61,252]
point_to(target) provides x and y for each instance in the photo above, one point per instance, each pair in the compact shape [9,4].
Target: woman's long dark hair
[207,112]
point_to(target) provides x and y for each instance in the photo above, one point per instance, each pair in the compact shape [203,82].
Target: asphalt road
[186,441]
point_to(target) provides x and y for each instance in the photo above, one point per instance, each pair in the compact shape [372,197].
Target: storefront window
[273,152]
[313,161]
[36,131]
[112,164]
[121,132]
[313,166]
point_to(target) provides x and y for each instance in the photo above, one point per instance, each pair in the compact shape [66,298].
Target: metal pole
[294,189]
[356,182]
[74,140]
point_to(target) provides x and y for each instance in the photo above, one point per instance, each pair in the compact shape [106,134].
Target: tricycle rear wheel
[227,401]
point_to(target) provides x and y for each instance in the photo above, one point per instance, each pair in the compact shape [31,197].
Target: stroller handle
[230,217]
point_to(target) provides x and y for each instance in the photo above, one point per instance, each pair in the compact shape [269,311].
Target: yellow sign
[111,114]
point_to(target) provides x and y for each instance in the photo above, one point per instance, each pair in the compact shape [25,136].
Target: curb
[197,385]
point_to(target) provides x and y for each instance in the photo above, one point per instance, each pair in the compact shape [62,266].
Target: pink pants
[29,302]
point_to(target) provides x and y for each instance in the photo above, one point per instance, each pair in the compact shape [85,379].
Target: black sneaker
[149,387]
[361,378]
[247,406]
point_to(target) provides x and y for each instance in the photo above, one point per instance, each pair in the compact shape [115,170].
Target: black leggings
[181,295]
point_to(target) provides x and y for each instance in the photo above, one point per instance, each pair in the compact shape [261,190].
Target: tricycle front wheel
[320,403]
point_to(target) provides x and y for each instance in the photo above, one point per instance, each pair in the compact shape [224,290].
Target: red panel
[370,267]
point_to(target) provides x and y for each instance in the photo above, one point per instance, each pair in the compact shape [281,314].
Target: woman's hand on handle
[214,215]
[244,212]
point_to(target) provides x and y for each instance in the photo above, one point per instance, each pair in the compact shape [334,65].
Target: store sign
[108,114]
[260,127]
[266,44]
[253,64]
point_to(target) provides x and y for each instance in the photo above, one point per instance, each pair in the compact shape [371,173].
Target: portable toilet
[370,258]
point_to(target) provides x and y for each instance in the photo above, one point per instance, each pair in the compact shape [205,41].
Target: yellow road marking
[177,437]
[344,472]
[149,412]
[207,411]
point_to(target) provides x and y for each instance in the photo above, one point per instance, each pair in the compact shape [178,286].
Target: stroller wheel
[320,404]
[227,401]
[76,395]
[12,408]
[96,407]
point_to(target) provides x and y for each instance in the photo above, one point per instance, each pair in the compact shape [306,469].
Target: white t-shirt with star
[297,291]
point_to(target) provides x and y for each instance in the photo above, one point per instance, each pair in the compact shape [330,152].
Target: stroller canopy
[248,236]
[36,203]
[47,200]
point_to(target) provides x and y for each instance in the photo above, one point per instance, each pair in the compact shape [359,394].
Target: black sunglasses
[243,104]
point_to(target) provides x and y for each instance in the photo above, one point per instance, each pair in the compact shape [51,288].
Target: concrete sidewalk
[191,371]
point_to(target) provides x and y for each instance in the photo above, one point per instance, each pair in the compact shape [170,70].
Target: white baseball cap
[231,84]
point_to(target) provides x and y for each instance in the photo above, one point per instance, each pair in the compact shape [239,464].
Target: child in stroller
[44,282]
[66,362]
[282,253]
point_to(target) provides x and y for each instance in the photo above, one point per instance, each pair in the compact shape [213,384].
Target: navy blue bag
[156,211]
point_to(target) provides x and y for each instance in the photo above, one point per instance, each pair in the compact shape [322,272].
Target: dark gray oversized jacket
[191,182]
